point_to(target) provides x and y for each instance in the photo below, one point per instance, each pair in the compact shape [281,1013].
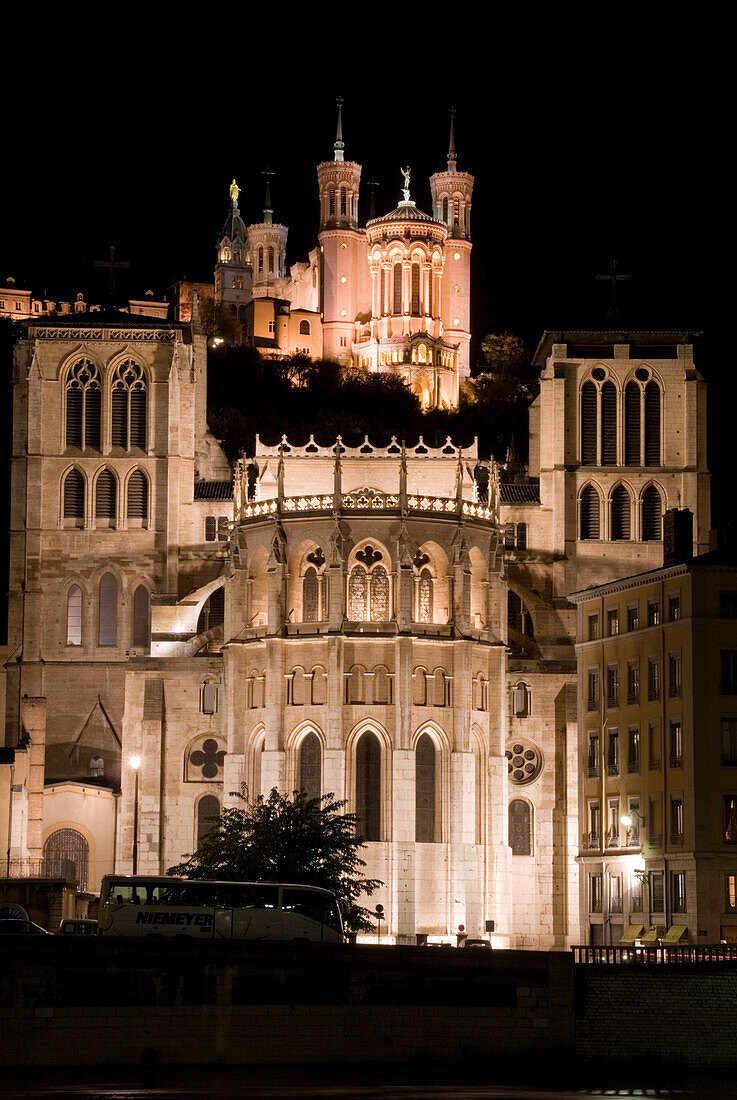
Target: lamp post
[135,763]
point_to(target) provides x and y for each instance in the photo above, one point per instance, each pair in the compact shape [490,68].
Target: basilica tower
[342,249]
[267,241]
[233,270]
[451,199]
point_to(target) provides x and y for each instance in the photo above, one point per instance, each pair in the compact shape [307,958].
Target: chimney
[677,536]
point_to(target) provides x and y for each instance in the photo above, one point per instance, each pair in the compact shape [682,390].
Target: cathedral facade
[390,624]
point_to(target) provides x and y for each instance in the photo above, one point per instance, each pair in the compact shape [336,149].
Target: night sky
[584,148]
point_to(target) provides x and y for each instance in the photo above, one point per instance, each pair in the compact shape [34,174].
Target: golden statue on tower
[234,192]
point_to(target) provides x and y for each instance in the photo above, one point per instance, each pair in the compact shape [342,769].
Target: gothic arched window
[83,395]
[520,827]
[310,596]
[331,201]
[425,597]
[137,495]
[419,687]
[368,786]
[141,616]
[652,424]
[416,291]
[310,760]
[621,528]
[632,424]
[65,851]
[379,595]
[588,424]
[271,260]
[74,615]
[304,328]
[652,511]
[343,201]
[106,492]
[589,521]
[260,259]
[368,588]
[397,304]
[107,633]
[608,424]
[74,496]
[445,210]
[425,790]
[208,808]
[129,406]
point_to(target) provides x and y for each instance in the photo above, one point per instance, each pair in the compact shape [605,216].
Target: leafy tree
[506,354]
[288,839]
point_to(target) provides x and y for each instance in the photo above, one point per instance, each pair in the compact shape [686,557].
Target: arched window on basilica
[620,525]
[74,615]
[589,513]
[106,494]
[309,766]
[369,587]
[520,827]
[83,406]
[128,403]
[141,617]
[137,506]
[315,588]
[368,785]
[304,328]
[107,622]
[652,515]
[208,809]
[74,499]
[426,801]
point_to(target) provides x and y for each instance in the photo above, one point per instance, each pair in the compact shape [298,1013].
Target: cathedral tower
[343,250]
[267,242]
[233,270]
[451,198]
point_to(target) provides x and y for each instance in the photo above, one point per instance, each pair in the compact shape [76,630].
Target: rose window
[524,762]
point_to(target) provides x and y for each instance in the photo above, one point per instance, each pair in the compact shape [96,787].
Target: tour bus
[142,905]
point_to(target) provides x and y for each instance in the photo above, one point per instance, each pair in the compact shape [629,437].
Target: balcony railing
[612,839]
[366,500]
[683,953]
[591,841]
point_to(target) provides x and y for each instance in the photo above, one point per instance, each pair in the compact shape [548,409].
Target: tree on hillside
[288,839]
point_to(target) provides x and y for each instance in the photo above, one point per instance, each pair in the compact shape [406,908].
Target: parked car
[474,943]
[78,926]
[18,927]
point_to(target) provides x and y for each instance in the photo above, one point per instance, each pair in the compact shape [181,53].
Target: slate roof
[213,490]
[527,493]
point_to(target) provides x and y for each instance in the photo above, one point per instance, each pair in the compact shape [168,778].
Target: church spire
[268,210]
[339,144]
[452,143]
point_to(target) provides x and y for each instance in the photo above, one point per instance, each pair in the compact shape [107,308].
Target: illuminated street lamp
[135,763]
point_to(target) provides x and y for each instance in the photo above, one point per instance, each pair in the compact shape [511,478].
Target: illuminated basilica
[390,624]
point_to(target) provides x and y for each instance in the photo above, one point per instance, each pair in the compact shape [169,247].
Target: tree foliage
[287,839]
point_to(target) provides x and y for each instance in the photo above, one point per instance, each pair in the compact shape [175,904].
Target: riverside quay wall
[96,1002]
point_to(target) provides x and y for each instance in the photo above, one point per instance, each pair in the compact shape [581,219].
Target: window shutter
[138,418]
[652,424]
[425,790]
[105,496]
[651,515]
[397,307]
[589,513]
[140,617]
[621,527]
[108,610]
[74,417]
[632,424]
[119,435]
[137,496]
[415,290]
[74,495]
[608,424]
[588,424]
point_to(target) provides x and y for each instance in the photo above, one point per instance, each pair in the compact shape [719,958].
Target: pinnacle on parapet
[339,144]
[452,157]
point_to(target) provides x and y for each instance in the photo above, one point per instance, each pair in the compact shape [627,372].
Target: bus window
[308,903]
[256,895]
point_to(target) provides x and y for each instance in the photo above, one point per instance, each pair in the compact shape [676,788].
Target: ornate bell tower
[267,242]
[344,281]
[233,269]
[451,199]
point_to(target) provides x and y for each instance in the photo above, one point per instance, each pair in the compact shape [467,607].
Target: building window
[137,496]
[635,893]
[74,615]
[654,822]
[593,762]
[612,760]
[657,891]
[676,820]
[588,424]
[678,891]
[676,745]
[63,847]
[620,529]
[521,536]
[594,836]
[106,496]
[595,892]
[633,617]
[593,627]
[633,682]
[593,689]
[608,424]
[652,424]
[425,597]
[612,837]
[368,786]
[612,619]
[652,513]
[653,612]
[728,605]
[633,830]
[107,633]
[615,893]
[521,700]
[368,588]
[271,260]
[210,528]
[304,328]
[674,608]
[208,809]
[397,296]
[520,827]
[729,672]
[729,741]
[129,406]
[730,882]
[653,679]
[612,686]
[590,508]
[74,492]
[633,750]
[83,414]
[425,793]
[141,617]
[730,819]
[674,675]
[654,747]
[632,424]
[310,765]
